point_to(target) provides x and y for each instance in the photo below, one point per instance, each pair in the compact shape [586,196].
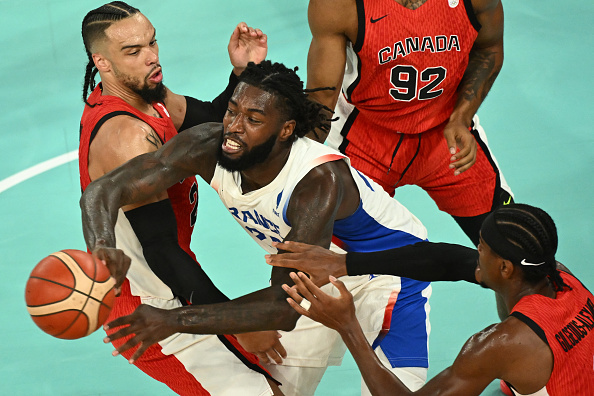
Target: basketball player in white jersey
[278,186]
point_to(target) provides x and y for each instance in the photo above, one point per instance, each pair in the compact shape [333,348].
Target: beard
[148,94]
[151,95]
[256,155]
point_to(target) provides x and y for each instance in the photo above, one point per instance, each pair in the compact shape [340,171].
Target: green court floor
[538,117]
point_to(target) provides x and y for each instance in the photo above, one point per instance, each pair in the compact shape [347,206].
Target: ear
[102,63]
[506,268]
[287,130]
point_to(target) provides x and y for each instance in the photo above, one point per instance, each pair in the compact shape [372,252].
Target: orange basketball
[69,294]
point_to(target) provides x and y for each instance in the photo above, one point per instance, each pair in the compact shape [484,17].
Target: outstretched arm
[486,59]
[508,350]
[423,261]
[145,176]
[312,209]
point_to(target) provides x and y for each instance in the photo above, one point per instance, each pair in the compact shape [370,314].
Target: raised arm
[485,62]
[247,44]
[332,24]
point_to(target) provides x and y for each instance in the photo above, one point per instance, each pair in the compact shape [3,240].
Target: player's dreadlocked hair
[534,231]
[93,27]
[281,81]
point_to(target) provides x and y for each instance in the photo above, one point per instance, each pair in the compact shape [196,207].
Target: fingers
[290,246]
[344,292]
[465,158]
[305,286]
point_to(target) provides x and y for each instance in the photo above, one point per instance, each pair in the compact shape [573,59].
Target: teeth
[232,144]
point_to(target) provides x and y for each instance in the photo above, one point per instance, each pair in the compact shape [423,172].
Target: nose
[152,56]
[236,124]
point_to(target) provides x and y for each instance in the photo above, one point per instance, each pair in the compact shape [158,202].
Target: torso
[406,60]
[263,212]
[183,195]
[566,324]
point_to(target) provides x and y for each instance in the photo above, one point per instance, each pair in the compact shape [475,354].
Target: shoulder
[118,140]
[481,6]
[332,16]
[512,351]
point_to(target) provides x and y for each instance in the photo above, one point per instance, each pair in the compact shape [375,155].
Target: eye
[153,42]
[254,121]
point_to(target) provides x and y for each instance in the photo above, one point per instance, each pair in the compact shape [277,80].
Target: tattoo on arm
[479,76]
[153,139]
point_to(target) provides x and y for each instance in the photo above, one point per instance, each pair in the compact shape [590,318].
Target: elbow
[285,316]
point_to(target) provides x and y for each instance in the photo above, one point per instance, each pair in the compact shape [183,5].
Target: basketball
[69,294]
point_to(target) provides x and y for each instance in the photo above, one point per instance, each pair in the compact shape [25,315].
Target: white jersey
[379,223]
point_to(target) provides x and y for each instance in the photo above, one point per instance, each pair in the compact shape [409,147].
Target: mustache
[234,137]
[158,65]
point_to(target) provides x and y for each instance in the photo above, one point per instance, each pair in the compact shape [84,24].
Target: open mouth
[231,146]
[156,76]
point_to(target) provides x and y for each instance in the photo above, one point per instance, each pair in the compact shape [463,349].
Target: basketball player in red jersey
[131,112]
[413,74]
[544,348]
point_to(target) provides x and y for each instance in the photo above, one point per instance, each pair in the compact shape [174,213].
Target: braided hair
[532,230]
[284,83]
[93,27]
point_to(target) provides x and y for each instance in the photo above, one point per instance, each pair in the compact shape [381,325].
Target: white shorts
[311,346]
[193,364]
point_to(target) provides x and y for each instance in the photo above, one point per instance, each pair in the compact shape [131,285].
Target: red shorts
[198,363]
[397,159]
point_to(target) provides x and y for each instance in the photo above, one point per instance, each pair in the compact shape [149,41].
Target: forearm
[155,227]
[264,309]
[483,68]
[198,112]
[423,261]
[378,378]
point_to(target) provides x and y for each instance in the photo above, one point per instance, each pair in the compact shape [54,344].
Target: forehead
[130,31]
[251,97]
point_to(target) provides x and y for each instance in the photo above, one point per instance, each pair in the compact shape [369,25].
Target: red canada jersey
[183,195]
[567,322]
[403,72]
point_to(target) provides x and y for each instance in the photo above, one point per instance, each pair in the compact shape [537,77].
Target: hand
[458,136]
[149,326]
[117,263]
[316,261]
[264,344]
[246,45]
[335,313]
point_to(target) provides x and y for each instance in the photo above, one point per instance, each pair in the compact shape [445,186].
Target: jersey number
[405,80]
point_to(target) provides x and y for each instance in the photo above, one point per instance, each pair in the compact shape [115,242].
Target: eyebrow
[125,47]
[234,103]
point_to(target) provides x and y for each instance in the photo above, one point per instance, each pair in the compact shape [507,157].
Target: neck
[128,96]
[522,289]
[264,173]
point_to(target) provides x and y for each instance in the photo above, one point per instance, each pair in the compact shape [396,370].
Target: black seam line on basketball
[71,289]
[73,259]
[81,311]
[378,19]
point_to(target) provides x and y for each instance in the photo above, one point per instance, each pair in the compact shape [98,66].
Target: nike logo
[378,19]
[508,201]
[524,262]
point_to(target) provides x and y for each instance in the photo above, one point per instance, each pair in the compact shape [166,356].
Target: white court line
[35,170]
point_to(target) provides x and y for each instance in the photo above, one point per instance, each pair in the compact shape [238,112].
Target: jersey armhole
[109,116]
[532,324]
[471,15]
